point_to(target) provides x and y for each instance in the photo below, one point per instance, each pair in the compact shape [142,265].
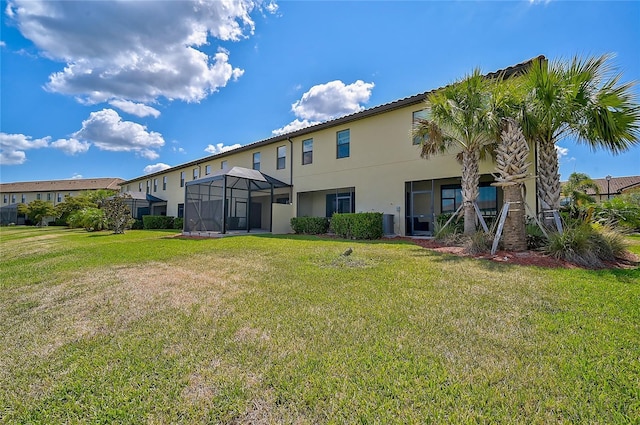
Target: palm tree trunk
[515,238]
[470,182]
[548,176]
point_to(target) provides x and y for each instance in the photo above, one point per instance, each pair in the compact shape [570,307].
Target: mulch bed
[524,258]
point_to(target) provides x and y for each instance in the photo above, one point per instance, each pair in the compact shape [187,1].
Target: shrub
[91,219]
[621,211]
[478,243]
[157,222]
[358,225]
[535,237]
[137,224]
[178,223]
[587,245]
[457,224]
[310,225]
[117,213]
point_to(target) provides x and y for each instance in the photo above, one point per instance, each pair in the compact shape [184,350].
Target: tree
[91,219]
[461,115]
[37,210]
[117,213]
[575,189]
[512,164]
[72,204]
[581,98]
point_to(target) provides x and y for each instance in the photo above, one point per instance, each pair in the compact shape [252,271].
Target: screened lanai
[237,199]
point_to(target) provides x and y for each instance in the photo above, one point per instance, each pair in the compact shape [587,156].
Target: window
[307,151]
[223,165]
[207,170]
[182,176]
[24,199]
[196,173]
[451,199]
[180,210]
[128,188]
[418,115]
[140,187]
[13,199]
[48,196]
[148,186]
[341,202]
[282,158]
[343,138]
[164,183]
[59,197]
[256,161]
[155,185]
[282,200]
[38,196]
[5,199]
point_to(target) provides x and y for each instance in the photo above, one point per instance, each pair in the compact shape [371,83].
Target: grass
[146,327]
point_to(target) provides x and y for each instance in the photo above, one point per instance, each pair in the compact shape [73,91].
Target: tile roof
[616,185]
[61,185]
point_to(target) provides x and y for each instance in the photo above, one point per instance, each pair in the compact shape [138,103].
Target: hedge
[310,225]
[157,222]
[178,223]
[358,225]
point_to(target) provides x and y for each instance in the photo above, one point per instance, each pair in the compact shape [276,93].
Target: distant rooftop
[62,185]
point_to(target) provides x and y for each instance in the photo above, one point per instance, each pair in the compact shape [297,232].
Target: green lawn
[148,328]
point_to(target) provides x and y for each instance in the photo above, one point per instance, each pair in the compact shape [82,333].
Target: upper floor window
[207,170]
[182,176]
[223,165]
[140,187]
[24,199]
[59,197]
[13,199]
[48,196]
[155,185]
[5,199]
[282,157]
[128,188]
[164,183]
[343,139]
[256,161]
[417,116]
[148,186]
[307,151]
[38,196]
[196,173]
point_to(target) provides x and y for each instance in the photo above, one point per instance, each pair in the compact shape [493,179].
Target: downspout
[290,170]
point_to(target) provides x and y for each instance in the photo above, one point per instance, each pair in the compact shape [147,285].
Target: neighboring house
[363,162]
[614,186]
[54,191]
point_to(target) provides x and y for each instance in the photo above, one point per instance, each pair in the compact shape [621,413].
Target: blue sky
[102,89]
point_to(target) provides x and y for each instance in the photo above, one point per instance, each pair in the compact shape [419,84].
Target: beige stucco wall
[32,196]
[382,159]
[282,215]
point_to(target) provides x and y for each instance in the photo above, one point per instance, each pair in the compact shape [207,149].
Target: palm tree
[575,189]
[461,115]
[583,99]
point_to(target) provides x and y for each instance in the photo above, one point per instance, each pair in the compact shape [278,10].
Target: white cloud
[156,167]
[220,147]
[327,101]
[71,146]
[562,152]
[76,176]
[3,44]
[106,130]
[293,126]
[13,147]
[138,109]
[137,50]
[333,99]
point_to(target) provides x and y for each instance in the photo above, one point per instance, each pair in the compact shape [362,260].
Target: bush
[178,223]
[91,219]
[586,245]
[137,224]
[310,225]
[456,225]
[535,237]
[478,243]
[357,225]
[157,222]
[621,211]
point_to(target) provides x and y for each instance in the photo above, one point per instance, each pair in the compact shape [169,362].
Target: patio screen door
[422,213]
